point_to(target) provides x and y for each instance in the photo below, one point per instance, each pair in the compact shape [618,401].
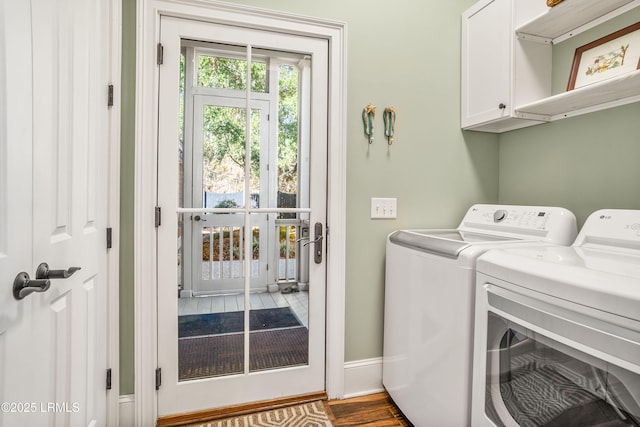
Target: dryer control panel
[612,228]
[552,224]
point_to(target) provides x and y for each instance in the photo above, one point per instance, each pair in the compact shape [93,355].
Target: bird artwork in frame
[611,56]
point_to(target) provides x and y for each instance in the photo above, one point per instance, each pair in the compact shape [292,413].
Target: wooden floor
[374,410]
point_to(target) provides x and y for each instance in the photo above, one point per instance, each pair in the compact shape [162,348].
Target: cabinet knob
[502,106]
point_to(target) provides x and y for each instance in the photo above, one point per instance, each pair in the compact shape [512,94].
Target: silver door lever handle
[23,285]
[43,272]
[319,239]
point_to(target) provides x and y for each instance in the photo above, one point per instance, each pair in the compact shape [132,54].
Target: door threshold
[238,410]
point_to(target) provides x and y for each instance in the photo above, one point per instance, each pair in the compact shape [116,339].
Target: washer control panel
[516,216]
[553,224]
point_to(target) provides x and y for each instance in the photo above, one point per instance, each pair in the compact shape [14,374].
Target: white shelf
[529,61]
[572,17]
[620,90]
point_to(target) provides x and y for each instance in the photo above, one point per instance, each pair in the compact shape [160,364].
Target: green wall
[584,163]
[404,54]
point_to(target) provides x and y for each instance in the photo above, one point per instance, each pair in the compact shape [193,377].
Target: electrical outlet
[384,208]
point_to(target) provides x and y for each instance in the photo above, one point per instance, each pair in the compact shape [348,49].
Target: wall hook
[389,117]
[368,114]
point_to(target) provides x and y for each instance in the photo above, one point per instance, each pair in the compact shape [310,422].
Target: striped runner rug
[306,415]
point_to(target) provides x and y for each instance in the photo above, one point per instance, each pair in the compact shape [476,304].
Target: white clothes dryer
[557,338]
[429,304]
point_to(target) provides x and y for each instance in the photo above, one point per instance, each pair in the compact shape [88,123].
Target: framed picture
[610,56]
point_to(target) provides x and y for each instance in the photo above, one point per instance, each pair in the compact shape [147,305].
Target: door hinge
[109,237]
[158,378]
[109,379]
[160,54]
[110,96]
[158,216]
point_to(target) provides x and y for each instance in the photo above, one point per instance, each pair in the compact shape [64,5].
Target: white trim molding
[127,410]
[148,21]
[362,377]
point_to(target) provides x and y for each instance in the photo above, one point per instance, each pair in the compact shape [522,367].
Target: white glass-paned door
[241,271]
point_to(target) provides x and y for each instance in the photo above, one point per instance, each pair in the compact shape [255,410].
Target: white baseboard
[362,377]
[127,410]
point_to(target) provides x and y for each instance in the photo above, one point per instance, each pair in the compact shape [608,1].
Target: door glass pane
[223,157]
[181,134]
[281,336]
[211,324]
[288,139]
[212,264]
[217,71]
[540,382]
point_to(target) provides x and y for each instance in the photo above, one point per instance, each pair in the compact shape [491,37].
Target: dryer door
[554,365]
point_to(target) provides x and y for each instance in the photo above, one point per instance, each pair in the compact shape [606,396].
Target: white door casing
[148,17]
[54,209]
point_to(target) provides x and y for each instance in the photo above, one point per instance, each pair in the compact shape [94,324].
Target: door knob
[23,285]
[198,218]
[43,272]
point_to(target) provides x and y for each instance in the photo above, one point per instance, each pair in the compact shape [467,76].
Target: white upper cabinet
[497,71]
[506,63]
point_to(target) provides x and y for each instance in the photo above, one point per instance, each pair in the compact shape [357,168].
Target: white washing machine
[557,338]
[429,303]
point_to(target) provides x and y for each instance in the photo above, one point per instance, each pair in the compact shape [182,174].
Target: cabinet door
[486,62]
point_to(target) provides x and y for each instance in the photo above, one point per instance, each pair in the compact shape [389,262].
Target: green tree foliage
[288,129]
[229,73]
[224,127]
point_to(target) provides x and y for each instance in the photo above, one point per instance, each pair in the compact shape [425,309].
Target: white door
[215,269]
[53,191]
[276,347]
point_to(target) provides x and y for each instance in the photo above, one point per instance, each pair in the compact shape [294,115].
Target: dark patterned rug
[208,356]
[195,325]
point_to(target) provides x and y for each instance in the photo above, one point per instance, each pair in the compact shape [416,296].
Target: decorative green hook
[389,117]
[368,115]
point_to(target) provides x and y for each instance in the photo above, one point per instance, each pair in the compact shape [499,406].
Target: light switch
[384,208]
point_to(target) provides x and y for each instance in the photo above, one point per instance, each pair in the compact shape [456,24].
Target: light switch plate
[384,208]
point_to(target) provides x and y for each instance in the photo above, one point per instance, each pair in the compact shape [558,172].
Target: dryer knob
[499,215]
